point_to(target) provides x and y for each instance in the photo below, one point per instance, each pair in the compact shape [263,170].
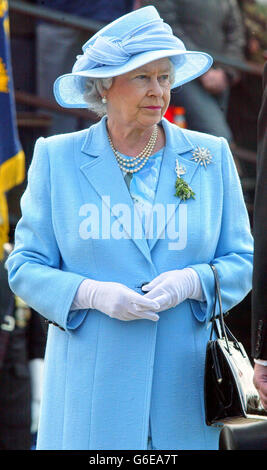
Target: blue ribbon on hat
[152,36]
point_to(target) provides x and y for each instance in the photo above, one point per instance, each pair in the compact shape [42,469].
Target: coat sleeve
[259,292]
[235,41]
[234,38]
[234,253]
[169,12]
[34,265]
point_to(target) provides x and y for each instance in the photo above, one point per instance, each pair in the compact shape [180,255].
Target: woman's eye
[164,77]
[161,78]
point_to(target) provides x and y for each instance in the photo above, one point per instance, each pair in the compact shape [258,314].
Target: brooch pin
[202,156]
[183,190]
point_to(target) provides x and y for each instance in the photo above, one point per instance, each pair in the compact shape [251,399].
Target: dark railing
[54,16]
[30,99]
[27,119]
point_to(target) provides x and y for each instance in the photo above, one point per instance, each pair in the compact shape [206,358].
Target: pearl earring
[104,100]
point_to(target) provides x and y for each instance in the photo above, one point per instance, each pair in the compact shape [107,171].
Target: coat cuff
[203,310]
[262,362]
[75,318]
[72,319]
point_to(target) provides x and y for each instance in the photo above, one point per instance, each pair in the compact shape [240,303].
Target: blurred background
[39,41]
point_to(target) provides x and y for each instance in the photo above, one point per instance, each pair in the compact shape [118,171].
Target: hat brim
[69,88]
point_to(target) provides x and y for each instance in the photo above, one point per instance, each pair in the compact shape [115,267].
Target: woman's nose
[155,88]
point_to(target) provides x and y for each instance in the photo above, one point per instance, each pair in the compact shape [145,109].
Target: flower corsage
[183,190]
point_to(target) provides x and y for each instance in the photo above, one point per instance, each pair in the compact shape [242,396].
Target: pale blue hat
[125,44]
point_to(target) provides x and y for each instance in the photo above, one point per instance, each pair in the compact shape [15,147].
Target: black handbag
[229,392]
[250,436]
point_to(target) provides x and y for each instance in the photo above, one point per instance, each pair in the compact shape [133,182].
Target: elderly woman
[119,225]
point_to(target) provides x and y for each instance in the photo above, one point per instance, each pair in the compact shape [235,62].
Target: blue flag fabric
[12,158]
[11,155]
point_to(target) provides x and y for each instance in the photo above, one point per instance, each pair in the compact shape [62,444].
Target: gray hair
[94,88]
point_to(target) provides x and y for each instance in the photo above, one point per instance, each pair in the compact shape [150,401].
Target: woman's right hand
[115,300]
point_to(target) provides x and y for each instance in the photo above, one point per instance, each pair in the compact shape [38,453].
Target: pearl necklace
[134,164]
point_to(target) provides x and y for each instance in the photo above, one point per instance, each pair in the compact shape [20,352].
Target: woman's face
[142,96]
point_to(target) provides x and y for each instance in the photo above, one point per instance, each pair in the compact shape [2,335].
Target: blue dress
[143,186]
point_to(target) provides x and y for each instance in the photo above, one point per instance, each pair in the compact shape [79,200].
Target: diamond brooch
[202,156]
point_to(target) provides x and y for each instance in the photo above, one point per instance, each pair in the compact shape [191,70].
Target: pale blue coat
[106,378]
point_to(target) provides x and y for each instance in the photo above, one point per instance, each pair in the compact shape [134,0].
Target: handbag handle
[224,328]
[221,319]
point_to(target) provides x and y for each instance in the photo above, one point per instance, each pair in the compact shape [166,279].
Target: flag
[12,158]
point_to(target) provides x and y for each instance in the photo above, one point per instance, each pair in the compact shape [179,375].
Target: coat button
[142,285]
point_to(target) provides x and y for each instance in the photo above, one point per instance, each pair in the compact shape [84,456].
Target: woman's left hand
[173,287]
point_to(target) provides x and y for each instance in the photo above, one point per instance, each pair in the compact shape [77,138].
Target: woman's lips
[152,107]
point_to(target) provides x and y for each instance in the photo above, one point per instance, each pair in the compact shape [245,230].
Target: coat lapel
[177,145]
[104,174]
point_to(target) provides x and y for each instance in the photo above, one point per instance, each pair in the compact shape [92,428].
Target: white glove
[36,373]
[115,300]
[173,287]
